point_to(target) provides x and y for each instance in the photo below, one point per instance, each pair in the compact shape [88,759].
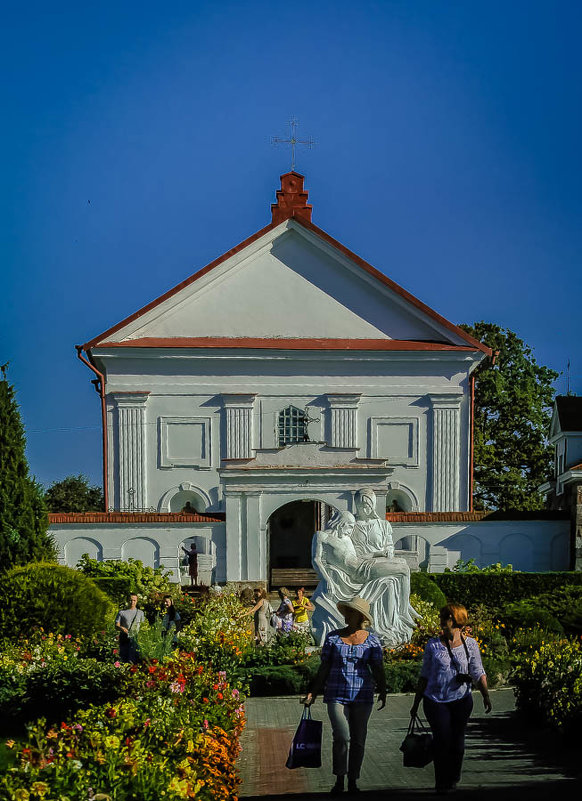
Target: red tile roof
[131,518]
[435,517]
[284,344]
[473,517]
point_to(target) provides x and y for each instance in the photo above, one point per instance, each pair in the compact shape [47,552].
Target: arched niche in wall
[400,498]
[177,498]
[517,550]
[75,548]
[415,544]
[470,547]
[560,552]
[142,548]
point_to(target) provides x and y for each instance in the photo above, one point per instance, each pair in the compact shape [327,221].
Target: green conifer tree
[24,533]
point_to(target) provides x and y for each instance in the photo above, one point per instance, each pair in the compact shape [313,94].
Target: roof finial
[293,141]
[291,199]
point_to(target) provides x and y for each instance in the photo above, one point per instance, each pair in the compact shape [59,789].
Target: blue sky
[136,148]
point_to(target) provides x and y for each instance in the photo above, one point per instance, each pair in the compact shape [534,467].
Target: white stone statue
[355,556]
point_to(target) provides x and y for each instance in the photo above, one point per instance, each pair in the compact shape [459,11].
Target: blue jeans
[349,725]
[448,722]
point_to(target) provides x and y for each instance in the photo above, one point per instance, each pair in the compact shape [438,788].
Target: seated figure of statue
[343,573]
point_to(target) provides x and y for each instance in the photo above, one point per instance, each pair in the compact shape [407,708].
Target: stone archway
[290,530]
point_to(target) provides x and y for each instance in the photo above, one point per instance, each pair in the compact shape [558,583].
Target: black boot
[338,786]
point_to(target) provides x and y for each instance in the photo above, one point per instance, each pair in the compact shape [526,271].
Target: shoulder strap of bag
[132,621]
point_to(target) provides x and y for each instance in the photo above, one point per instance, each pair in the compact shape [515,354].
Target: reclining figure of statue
[359,560]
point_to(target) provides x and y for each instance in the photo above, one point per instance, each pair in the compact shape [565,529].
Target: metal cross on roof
[293,141]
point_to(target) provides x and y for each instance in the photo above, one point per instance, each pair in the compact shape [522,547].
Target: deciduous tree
[513,402]
[73,494]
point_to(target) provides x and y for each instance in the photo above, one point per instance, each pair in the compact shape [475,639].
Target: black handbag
[417,745]
[305,751]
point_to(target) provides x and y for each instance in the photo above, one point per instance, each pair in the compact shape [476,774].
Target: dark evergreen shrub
[23,517]
[424,585]
[52,597]
[402,676]
[527,614]
[58,689]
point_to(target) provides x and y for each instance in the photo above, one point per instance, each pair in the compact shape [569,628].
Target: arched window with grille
[292,426]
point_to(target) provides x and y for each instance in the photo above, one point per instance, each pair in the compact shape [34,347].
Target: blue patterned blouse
[349,680]
[441,673]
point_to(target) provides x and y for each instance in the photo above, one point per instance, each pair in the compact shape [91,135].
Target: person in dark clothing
[452,662]
[192,555]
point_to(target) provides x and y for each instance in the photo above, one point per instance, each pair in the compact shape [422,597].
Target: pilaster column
[131,444]
[576,528]
[238,411]
[343,420]
[446,448]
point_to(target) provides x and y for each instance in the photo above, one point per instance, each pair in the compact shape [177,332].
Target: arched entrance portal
[290,531]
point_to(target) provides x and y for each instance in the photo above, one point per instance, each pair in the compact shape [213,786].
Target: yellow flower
[179,786]
[111,742]
[21,795]
[40,788]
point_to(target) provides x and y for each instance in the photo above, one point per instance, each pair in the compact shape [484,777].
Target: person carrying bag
[417,745]
[351,668]
[451,664]
[305,751]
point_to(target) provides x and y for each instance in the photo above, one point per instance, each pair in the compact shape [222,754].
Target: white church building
[263,391]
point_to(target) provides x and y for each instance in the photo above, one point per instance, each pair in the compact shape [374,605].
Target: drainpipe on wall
[99,384]
[472,444]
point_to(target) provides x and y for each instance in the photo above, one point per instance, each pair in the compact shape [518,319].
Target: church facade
[263,391]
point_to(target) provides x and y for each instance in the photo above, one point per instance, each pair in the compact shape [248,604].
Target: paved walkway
[498,758]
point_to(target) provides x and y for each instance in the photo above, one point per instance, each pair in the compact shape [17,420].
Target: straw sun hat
[359,605]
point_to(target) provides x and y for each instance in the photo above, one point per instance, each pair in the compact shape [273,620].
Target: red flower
[205,700]
[111,712]
[220,696]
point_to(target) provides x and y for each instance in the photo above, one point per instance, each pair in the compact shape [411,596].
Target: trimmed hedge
[53,597]
[498,589]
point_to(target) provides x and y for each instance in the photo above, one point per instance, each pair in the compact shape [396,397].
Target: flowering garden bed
[79,725]
[172,732]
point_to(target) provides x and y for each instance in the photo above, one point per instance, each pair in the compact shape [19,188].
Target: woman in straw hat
[351,664]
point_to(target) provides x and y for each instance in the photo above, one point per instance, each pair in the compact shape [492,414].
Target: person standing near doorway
[127,623]
[192,555]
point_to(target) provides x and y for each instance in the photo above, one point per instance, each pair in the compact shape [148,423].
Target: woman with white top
[452,662]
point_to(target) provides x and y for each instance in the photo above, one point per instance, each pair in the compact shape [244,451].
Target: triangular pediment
[292,281]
